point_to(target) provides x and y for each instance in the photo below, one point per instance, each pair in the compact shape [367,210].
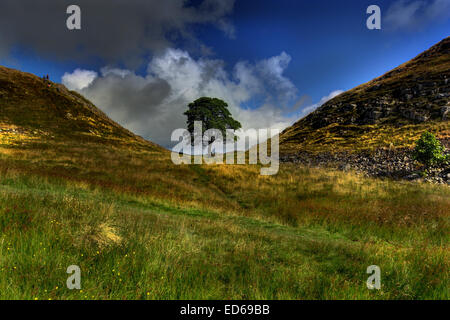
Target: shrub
[429,150]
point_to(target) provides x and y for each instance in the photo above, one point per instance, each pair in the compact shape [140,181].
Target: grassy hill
[390,111]
[82,190]
[33,108]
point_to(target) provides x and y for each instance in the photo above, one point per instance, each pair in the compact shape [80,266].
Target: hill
[389,111]
[34,108]
[79,189]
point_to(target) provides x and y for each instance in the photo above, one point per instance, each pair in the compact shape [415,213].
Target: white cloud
[153,105]
[79,79]
[414,14]
[272,69]
[267,76]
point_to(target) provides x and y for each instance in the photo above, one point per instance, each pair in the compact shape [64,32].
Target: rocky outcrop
[396,164]
[425,100]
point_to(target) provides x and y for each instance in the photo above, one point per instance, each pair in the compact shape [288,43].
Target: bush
[429,150]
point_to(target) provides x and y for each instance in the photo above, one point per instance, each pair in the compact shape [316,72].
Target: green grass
[314,242]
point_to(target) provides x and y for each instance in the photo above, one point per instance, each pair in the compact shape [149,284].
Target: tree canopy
[213,113]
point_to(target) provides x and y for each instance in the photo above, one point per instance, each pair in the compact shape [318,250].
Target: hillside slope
[81,190]
[391,110]
[35,108]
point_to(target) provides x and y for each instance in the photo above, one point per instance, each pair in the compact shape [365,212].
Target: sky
[273,62]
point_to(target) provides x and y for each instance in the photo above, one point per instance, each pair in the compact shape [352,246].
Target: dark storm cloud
[114,30]
[129,95]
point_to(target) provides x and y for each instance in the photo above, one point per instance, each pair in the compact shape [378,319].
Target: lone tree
[213,113]
[429,150]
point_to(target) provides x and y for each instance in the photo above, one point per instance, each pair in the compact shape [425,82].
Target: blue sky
[331,47]
[323,46]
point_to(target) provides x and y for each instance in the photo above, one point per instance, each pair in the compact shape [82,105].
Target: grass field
[142,228]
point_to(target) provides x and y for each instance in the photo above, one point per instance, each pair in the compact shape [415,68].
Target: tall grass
[142,228]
